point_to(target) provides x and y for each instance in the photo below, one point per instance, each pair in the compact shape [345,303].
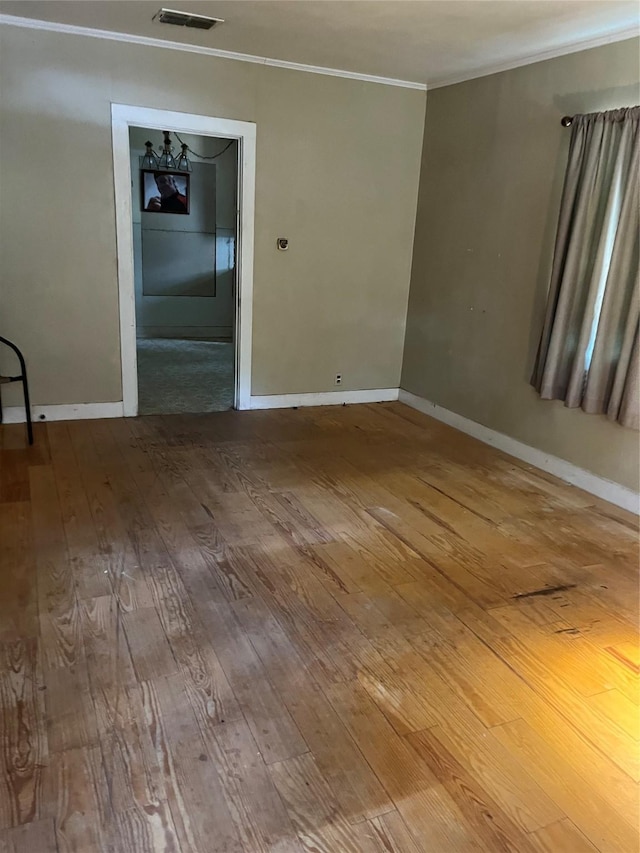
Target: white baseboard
[64,412]
[323,398]
[606,489]
[592,483]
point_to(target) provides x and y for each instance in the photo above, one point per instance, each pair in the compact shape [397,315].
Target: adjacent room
[183,211]
[319,451]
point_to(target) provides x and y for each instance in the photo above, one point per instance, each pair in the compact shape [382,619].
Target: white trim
[123,117]
[124,259]
[540,56]
[246,134]
[606,489]
[129,38]
[484,71]
[324,398]
[63,412]
[347,75]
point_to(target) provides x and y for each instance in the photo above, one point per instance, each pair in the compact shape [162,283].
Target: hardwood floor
[328,630]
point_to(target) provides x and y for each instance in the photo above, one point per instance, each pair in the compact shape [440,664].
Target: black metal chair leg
[25,387]
[27,403]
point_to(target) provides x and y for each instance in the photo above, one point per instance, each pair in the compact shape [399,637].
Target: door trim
[122,118]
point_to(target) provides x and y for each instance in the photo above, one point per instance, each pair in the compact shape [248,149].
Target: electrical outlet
[338,379]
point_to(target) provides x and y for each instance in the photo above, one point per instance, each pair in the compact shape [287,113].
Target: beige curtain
[589,351]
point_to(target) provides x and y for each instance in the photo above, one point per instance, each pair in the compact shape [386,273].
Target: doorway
[213,359]
[184,248]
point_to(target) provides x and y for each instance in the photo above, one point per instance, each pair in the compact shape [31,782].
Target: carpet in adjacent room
[177,376]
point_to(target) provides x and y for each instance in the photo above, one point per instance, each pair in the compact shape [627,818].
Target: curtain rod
[617,115]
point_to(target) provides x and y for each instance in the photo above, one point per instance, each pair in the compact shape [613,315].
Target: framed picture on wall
[164,192]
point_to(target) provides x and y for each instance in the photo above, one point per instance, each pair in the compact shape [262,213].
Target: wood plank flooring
[322,630]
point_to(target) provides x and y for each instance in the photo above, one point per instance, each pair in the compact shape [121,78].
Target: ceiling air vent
[186,19]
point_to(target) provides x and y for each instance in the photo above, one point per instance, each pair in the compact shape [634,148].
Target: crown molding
[128,38]
[485,71]
[541,56]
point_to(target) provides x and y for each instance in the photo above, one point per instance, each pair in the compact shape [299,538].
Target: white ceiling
[425,41]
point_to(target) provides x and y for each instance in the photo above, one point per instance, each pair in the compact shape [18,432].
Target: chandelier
[166,160]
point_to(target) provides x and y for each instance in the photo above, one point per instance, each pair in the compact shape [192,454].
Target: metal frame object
[22,377]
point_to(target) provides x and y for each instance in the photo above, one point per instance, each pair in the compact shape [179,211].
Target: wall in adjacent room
[184,264]
[492,171]
[338,163]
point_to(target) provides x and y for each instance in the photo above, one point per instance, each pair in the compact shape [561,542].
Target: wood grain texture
[39,835]
[314,811]
[19,601]
[257,807]
[22,733]
[77,800]
[561,836]
[343,629]
[491,825]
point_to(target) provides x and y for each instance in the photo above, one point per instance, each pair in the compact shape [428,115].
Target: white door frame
[122,118]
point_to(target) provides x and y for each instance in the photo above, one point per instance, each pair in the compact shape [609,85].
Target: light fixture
[150,159]
[184,164]
[166,160]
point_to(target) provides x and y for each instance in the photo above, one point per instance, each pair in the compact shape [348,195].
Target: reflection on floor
[184,376]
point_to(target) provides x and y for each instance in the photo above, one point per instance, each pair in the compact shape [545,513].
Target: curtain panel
[588,353]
